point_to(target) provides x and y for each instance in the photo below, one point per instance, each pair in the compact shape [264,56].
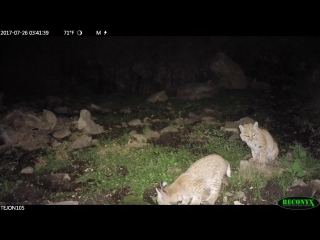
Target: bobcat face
[200,184]
[164,198]
[249,132]
[260,141]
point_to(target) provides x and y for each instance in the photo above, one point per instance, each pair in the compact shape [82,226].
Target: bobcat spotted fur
[263,148]
[200,184]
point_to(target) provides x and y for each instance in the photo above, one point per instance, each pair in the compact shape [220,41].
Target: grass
[6,187]
[112,165]
[149,163]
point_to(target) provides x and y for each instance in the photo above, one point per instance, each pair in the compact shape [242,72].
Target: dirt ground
[33,191]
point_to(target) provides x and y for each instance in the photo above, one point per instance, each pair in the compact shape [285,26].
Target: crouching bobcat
[263,148]
[200,184]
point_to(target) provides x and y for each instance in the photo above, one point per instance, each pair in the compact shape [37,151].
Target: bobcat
[263,148]
[200,184]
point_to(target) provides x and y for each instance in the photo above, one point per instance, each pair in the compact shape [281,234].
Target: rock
[140,138]
[125,110]
[61,177]
[65,203]
[81,142]
[237,203]
[152,135]
[146,119]
[27,170]
[179,121]
[106,110]
[234,126]
[55,144]
[11,117]
[299,191]
[86,123]
[57,182]
[234,136]
[260,85]
[298,182]
[8,135]
[231,74]
[230,129]
[47,121]
[49,117]
[4,148]
[169,129]
[135,122]
[239,195]
[315,184]
[136,144]
[245,120]
[193,91]
[212,112]
[61,134]
[190,120]
[32,140]
[96,107]
[61,110]
[159,96]
[209,120]
[194,116]
[247,167]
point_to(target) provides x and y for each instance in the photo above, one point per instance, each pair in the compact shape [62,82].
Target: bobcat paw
[261,165]
[251,160]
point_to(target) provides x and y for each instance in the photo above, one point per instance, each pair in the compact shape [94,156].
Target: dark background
[48,65]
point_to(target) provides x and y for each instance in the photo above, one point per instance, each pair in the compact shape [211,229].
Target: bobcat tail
[229,171]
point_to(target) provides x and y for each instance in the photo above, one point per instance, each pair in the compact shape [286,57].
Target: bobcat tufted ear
[255,125]
[241,128]
[163,185]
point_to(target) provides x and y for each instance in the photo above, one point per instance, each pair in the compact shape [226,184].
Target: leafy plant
[296,168]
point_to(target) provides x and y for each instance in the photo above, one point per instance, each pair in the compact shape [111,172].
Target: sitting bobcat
[263,148]
[200,184]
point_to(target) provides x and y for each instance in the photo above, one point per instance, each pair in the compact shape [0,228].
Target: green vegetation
[112,166]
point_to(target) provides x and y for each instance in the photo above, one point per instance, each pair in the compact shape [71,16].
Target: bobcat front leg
[254,156]
[214,193]
[263,155]
[195,201]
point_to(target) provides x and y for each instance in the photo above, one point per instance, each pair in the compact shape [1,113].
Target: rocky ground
[28,128]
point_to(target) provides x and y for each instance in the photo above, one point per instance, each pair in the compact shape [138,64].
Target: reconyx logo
[298,203]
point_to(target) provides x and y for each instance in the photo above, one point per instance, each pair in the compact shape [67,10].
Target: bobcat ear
[159,195]
[163,185]
[241,128]
[255,125]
